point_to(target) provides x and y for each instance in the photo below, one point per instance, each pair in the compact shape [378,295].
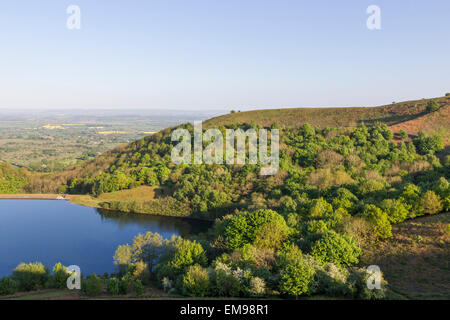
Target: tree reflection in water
[183,226]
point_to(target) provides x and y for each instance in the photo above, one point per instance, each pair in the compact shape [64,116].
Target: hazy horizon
[220,55]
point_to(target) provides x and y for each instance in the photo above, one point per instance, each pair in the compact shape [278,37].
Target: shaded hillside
[415,259]
[333,117]
[432,123]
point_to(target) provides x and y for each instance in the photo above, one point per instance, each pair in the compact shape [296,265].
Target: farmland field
[52,140]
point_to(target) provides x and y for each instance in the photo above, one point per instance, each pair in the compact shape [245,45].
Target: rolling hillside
[432,123]
[392,115]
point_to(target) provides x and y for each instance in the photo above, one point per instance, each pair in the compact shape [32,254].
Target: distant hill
[392,115]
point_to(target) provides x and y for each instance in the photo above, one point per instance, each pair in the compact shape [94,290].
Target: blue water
[59,231]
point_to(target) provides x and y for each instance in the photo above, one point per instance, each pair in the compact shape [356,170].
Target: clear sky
[236,54]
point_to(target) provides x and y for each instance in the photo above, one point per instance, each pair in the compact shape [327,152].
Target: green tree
[196,281]
[335,248]
[396,210]
[179,255]
[7,286]
[431,202]
[147,248]
[122,257]
[31,276]
[379,219]
[60,275]
[244,228]
[428,145]
[296,279]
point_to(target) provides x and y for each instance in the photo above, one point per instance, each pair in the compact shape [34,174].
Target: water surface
[52,231]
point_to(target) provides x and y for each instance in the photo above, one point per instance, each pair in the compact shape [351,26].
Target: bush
[335,248]
[432,106]
[112,286]
[124,285]
[332,280]
[257,287]
[59,278]
[403,134]
[196,282]
[357,284]
[138,287]
[382,228]
[31,276]
[396,210]
[226,284]
[428,145]
[7,286]
[431,203]
[92,285]
[296,279]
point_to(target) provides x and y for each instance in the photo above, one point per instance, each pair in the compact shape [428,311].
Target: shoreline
[73,199]
[33,197]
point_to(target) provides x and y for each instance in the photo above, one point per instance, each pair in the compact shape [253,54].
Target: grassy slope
[432,123]
[334,117]
[139,194]
[415,261]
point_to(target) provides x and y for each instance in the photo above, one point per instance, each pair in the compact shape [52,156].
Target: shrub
[382,228]
[395,209]
[295,279]
[443,190]
[112,286]
[411,196]
[357,284]
[428,145]
[166,284]
[124,285]
[92,285]
[432,106]
[196,281]
[226,284]
[257,287]
[358,229]
[403,134]
[31,276]
[59,277]
[332,280]
[338,249]
[7,286]
[431,203]
[138,287]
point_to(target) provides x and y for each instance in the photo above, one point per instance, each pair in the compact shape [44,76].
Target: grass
[139,194]
[415,261]
[435,123]
[333,117]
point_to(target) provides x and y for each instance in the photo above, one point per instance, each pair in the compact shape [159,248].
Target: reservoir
[50,231]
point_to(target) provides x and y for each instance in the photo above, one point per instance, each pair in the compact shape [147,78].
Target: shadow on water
[183,226]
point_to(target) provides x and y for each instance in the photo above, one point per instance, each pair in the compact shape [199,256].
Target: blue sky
[227,54]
